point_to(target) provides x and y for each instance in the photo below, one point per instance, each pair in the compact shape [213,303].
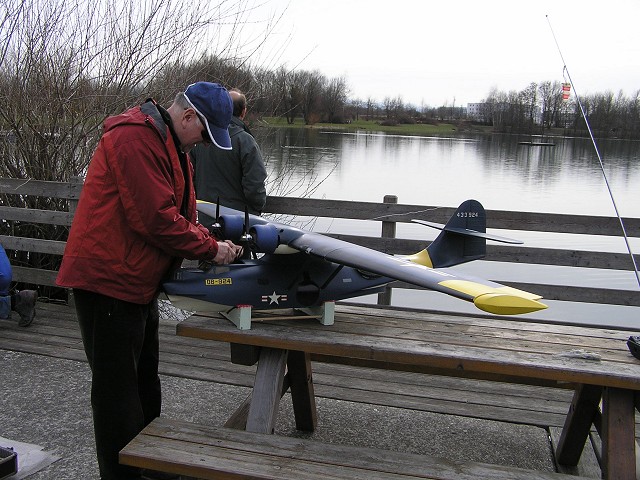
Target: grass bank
[438,129]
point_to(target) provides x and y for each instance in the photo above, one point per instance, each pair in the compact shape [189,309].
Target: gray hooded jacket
[236,176]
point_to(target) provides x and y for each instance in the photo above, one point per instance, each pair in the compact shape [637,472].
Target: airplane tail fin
[461,240]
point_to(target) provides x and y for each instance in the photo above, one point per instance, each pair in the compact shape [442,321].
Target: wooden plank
[618,435]
[39,245]
[238,419]
[594,225]
[302,391]
[267,391]
[588,465]
[604,296]
[498,253]
[507,334]
[35,276]
[578,424]
[478,399]
[211,452]
[513,336]
[444,390]
[463,355]
[543,222]
[41,188]
[499,219]
[32,215]
[466,406]
[561,257]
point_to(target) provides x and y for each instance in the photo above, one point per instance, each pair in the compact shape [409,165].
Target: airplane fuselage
[291,281]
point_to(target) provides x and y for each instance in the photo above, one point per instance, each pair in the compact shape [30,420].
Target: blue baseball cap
[212,102]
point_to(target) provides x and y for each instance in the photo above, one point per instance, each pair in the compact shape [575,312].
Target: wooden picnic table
[594,362]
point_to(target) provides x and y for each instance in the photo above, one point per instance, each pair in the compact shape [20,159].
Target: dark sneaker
[26,306]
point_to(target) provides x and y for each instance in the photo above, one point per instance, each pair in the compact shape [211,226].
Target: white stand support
[241,316]
[326,312]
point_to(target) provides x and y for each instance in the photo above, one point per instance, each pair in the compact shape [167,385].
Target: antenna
[595,145]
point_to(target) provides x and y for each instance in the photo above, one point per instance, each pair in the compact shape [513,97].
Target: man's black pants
[122,347]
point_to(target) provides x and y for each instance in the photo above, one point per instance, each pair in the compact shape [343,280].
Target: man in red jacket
[135,222]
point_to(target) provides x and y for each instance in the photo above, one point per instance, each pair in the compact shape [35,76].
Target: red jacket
[128,230]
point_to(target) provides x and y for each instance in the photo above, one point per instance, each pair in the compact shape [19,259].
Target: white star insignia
[274,298]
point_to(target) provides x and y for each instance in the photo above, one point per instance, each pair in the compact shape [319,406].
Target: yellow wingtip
[499,300]
[506,304]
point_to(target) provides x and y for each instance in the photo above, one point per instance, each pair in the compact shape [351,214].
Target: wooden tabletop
[456,345]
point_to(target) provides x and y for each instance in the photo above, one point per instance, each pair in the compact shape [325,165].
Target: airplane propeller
[216,227]
[246,239]
[257,238]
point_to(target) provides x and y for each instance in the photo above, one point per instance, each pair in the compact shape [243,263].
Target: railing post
[73,205]
[73,202]
[388,231]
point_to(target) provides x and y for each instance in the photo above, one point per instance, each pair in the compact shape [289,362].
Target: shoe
[26,306]
[155,475]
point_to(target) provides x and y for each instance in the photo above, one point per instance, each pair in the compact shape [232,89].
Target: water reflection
[494,169]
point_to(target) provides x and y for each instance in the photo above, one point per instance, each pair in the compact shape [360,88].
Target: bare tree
[357,107]
[334,99]
[67,64]
[550,96]
[387,104]
[313,85]
[290,93]
[371,105]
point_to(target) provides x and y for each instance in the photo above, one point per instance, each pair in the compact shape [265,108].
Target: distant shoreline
[419,129]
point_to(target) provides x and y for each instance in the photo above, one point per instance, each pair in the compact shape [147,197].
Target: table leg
[302,393]
[575,432]
[267,390]
[618,434]
[238,419]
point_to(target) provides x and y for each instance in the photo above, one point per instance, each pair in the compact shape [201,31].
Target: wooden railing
[388,214]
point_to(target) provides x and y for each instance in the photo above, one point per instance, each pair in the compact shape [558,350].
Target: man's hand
[228,252]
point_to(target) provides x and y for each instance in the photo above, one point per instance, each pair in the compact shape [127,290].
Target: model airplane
[302,269]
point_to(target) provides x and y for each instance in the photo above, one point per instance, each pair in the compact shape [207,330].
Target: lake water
[494,169]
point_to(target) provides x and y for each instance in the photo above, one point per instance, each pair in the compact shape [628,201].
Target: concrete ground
[45,401]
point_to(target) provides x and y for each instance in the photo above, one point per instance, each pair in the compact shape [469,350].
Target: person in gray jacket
[237,176]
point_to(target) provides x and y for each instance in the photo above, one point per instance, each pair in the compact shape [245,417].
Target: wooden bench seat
[220,453]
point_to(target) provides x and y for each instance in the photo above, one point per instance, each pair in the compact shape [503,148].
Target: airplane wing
[489,296]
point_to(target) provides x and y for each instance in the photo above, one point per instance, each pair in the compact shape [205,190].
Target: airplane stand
[241,316]
[326,312]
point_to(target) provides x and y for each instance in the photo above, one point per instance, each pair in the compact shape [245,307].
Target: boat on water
[537,144]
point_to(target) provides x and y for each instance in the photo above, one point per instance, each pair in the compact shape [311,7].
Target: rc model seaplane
[308,271]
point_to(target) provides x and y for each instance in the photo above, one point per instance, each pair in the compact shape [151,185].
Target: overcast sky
[437,52]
